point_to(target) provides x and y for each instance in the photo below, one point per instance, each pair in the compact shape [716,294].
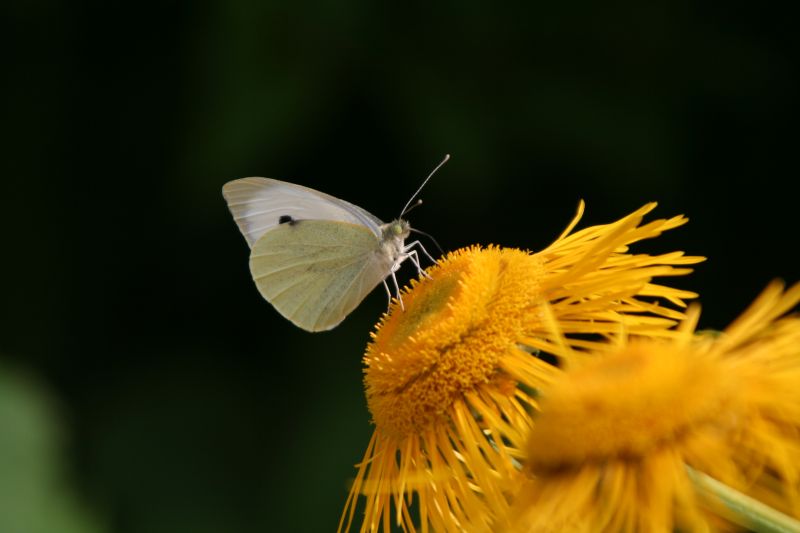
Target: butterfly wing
[258,205]
[315,272]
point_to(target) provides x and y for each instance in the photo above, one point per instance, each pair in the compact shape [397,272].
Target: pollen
[457,326]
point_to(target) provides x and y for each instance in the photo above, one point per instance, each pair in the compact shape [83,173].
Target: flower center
[455,328]
[625,404]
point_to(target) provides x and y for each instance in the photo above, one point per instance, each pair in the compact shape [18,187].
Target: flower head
[451,380]
[616,431]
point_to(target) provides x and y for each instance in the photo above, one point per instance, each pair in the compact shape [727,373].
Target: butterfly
[315,257]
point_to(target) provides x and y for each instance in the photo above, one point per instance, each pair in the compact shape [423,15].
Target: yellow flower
[616,431]
[451,379]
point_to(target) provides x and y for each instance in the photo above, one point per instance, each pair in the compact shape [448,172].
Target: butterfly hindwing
[315,272]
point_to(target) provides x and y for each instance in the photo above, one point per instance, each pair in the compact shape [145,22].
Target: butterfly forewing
[315,272]
[258,205]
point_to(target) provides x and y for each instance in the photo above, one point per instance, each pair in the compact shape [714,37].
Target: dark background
[182,401]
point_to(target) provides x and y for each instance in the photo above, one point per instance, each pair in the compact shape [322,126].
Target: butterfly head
[394,236]
[397,229]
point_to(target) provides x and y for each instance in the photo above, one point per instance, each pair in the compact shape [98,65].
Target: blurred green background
[144,384]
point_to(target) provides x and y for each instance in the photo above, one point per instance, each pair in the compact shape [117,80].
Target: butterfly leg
[388,292]
[414,256]
[414,259]
[397,288]
[419,244]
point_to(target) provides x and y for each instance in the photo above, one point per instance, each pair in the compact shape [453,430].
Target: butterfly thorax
[393,238]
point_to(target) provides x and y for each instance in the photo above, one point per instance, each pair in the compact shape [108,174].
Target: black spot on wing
[286,219]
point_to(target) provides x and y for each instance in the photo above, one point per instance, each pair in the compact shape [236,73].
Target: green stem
[747,511]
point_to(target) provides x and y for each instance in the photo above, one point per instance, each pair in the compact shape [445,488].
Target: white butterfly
[315,257]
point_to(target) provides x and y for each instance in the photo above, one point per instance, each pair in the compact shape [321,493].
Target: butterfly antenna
[428,235]
[446,158]
[415,204]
